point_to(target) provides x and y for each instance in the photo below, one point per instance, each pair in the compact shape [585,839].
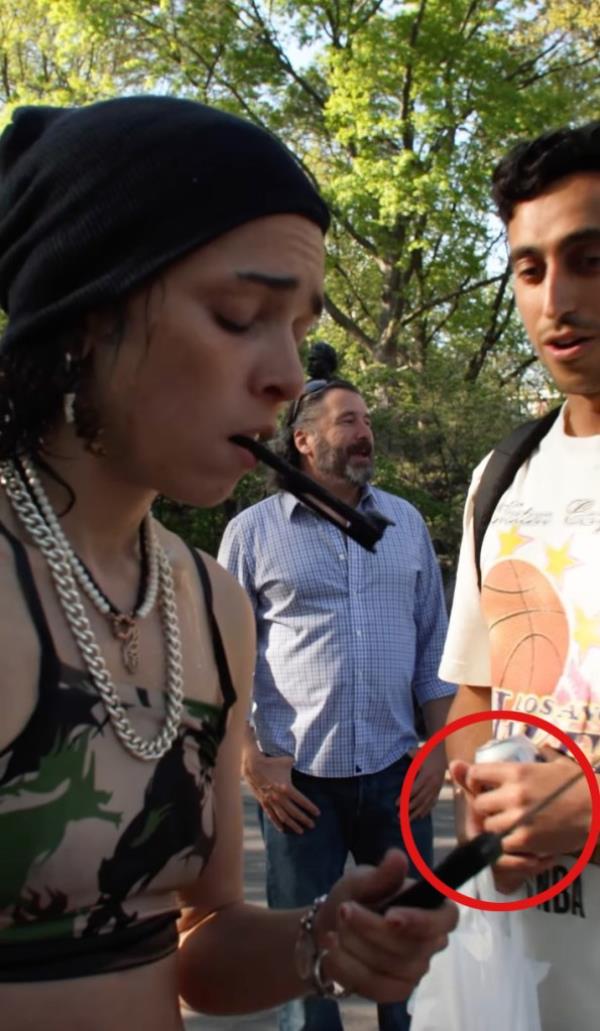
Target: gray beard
[333,462]
[358,476]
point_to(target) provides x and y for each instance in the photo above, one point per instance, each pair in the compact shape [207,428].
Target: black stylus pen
[466,860]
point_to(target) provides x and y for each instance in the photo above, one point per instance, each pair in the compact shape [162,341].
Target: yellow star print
[510,540]
[587,631]
[559,560]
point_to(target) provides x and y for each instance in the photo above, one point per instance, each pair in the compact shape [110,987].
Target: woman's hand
[380,956]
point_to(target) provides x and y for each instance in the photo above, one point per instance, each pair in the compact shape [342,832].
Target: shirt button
[341,556]
[359,633]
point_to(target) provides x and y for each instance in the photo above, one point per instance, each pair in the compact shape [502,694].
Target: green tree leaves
[399,110]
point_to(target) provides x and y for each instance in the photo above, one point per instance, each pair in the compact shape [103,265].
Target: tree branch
[532,62]
[461,291]
[371,12]
[358,238]
[270,39]
[494,330]
[354,293]
[349,325]
[519,369]
[407,102]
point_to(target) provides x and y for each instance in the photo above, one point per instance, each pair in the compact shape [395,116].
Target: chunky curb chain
[78,569]
[57,558]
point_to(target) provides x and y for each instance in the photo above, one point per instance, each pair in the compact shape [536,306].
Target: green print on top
[97,847]
[61,875]
[30,835]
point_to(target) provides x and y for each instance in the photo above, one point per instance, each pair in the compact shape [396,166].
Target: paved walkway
[357,1014]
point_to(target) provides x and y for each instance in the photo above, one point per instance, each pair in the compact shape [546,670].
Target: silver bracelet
[326,989]
[309,958]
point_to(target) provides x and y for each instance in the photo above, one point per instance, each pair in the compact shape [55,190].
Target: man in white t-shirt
[529,638]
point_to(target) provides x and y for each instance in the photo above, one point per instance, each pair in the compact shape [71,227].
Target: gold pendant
[125,629]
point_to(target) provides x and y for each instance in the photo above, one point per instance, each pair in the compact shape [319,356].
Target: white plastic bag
[483,980]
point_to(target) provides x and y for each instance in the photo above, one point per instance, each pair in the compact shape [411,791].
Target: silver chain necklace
[56,551]
[123,625]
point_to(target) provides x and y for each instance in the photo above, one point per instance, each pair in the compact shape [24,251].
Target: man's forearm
[435,714]
[462,744]
[468,700]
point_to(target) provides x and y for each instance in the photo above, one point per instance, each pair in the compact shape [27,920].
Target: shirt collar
[290,502]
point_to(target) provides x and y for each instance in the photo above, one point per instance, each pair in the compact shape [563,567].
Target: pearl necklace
[123,625]
[59,556]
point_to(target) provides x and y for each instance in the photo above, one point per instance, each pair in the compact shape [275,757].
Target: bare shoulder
[20,650]
[230,601]
[5,556]
[10,590]
[231,604]
[231,607]
[226,588]
[235,617]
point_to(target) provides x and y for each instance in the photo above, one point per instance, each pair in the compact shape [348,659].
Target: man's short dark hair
[533,165]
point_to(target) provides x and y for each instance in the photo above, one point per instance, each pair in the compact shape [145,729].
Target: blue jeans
[359,817]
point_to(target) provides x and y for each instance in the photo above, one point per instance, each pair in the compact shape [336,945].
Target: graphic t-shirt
[533,635]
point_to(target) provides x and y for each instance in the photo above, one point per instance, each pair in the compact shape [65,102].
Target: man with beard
[347,640]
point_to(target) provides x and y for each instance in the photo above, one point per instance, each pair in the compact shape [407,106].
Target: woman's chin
[203,495]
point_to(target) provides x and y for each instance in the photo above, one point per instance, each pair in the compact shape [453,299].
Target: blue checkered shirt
[344,636]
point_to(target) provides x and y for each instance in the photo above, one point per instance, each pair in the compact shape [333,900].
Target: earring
[69,397]
[95,446]
[69,407]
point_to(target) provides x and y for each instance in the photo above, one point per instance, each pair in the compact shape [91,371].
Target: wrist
[250,750]
[309,957]
[581,816]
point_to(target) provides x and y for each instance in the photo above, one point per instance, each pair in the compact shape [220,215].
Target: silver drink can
[516,749]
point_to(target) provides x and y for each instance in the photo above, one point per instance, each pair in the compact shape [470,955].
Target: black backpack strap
[500,471]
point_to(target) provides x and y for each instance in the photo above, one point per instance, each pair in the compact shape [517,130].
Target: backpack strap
[506,458]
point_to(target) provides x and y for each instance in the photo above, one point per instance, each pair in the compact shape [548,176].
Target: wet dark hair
[34,381]
[321,365]
[533,165]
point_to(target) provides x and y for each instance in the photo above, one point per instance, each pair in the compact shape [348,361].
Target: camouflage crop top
[94,843]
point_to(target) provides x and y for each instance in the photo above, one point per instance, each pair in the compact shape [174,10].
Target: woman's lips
[248,460]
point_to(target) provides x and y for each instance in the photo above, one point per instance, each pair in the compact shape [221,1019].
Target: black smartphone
[457,868]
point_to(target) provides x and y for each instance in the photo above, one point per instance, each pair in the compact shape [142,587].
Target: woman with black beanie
[160,263]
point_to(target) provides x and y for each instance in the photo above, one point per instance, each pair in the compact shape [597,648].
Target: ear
[93,330]
[301,441]
[101,326]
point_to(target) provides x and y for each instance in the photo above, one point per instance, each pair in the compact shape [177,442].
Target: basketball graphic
[529,632]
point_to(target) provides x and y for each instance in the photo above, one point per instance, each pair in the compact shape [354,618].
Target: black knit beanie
[95,200]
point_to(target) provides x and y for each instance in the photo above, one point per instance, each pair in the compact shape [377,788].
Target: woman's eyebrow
[280,283]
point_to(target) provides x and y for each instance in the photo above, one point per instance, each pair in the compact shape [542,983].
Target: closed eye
[230,326]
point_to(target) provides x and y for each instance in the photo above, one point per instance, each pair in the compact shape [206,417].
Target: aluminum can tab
[515,749]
